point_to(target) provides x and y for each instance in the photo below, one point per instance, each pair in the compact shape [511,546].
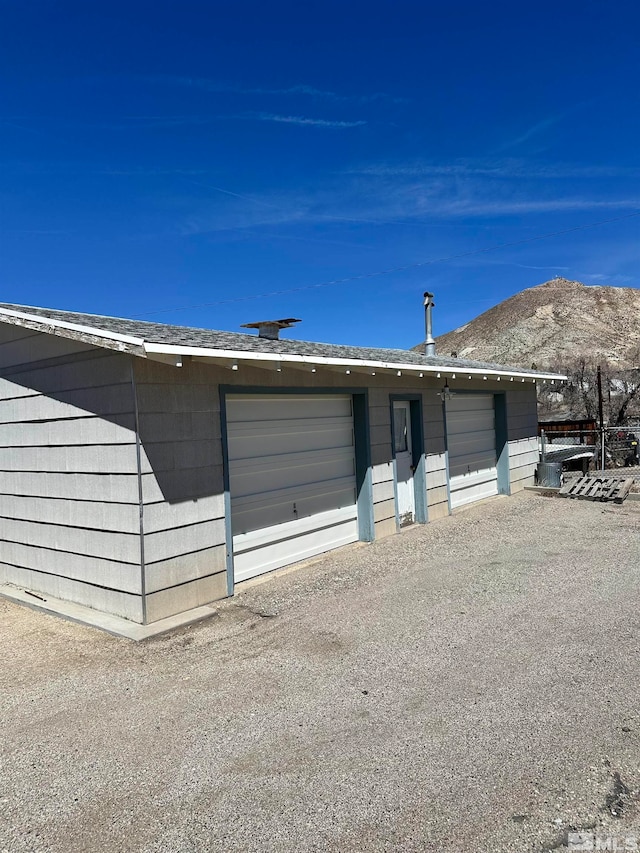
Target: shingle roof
[162,333]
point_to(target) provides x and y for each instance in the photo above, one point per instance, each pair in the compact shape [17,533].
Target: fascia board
[47,324]
[240,355]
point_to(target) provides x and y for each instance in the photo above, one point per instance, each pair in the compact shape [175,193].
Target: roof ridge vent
[270,329]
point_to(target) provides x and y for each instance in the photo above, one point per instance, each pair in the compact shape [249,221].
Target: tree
[577,396]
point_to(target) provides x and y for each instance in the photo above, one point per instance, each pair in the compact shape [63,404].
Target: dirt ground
[470,685]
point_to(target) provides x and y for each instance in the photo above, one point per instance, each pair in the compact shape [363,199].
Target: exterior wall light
[446,393]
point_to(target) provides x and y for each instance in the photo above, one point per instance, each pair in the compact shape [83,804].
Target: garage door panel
[292,460]
[294,502]
[292,478]
[475,442]
[247,517]
[283,545]
[283,407]
[470,402]
[473,478]
[462,424]
[266,440]
[474,462]
[290,426]
[468,489]
[265,483]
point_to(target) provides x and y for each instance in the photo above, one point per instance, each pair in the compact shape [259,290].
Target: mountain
[551,324]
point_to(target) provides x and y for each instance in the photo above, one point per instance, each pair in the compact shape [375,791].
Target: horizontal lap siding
[165,516]
[522,424]
[182,486]
[20,346]
[89,514]
[384,504]
[522,412]
[100,598]
[69,432]
[185,596]
[106,401]
[93,370]
[93,571]
[72,539]
[437,494]
[435,461]
[175,542]
[433,424]
[92,459]
[523,461]
[69,503]
[67,485]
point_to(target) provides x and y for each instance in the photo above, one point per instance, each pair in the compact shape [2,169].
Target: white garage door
[471,441]
[292,478]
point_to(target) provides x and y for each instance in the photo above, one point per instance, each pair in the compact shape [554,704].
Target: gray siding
[183,486]
[434,438]
[522,420]
[69,506]
[384,504]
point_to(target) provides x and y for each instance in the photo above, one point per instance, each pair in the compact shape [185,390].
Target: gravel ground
[471,685]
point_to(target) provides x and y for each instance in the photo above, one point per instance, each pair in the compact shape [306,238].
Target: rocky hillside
[552,323]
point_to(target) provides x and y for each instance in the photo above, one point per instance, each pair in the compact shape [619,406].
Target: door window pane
[400,429]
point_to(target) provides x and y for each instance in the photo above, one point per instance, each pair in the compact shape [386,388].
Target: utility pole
[603,463]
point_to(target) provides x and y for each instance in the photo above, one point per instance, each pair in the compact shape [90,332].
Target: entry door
[292,478]
[405,493]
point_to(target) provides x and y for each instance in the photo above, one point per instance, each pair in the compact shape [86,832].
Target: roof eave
[73,331]
[330,361]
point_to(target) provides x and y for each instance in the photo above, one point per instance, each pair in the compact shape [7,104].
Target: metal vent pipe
[429,344]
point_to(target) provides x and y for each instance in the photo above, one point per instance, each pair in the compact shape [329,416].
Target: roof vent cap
[270,329]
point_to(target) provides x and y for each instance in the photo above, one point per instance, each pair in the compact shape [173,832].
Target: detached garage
[147,469]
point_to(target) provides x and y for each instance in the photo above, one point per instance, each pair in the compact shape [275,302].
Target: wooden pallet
[590,488]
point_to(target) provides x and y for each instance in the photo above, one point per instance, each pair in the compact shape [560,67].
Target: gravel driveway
[471,685]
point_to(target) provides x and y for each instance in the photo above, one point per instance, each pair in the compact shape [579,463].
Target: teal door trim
[502,443]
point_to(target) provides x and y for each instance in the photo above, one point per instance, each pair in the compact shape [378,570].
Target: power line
[404,268]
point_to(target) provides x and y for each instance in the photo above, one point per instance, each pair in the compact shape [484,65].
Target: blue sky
[156,155]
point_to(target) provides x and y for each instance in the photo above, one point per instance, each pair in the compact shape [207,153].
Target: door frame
[502,438]
[418,456]
[362,453]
